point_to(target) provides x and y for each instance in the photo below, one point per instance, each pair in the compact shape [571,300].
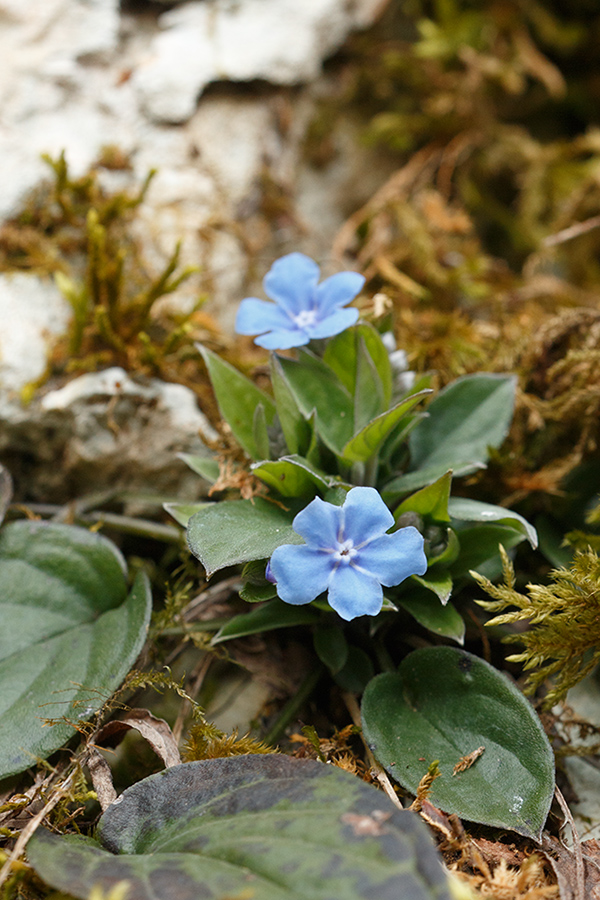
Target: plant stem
[294,704]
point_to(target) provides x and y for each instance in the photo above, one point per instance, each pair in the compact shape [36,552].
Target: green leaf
[429,612]
[235,531]
[479,548]
[316,387]
[357,671]
[293,476]
[448,553]
[205,466]
[331,647]
[412,481]
[368,391]
[437,580]
[368,441]
[70,633]
[183,512]
[272,615]
[296,430]
[430,501]
[260,432]
[475,511]
[444,704]
[237,398]
[470,415]
[342,353]
[258,593]
[261,827]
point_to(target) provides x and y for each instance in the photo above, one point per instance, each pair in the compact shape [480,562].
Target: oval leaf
[270,616]
[475,511]
[238,398]
[70,633]
[262,827]
[470,415]
[444,704]
[235,531]
[431,614]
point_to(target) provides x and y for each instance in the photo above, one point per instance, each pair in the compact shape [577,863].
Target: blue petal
[393,557]
[365,515]
[291,282]
[353,593]
[300,572]
[319,524]
[333,324]
[338,290]
[282,339]
[255,316]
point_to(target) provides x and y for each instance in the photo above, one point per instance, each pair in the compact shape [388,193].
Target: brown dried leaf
[156,731]
[564,865]
[101,776]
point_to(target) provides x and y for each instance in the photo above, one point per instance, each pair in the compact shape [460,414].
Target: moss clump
[83,235]
[563,639]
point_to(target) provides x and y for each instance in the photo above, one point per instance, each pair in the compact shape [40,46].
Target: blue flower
[348,554]
[303,308]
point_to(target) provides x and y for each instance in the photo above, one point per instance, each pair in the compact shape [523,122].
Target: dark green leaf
[412,481]
[274,614]
[479,549]
[296,430]
[430,501]
[368,441]
[331,647]
[444,704]
[258,593]
[357,671]
[235,531]
[205,466]
[429,612]
[316,387]
[448,553]
[368,392]
[475,511]
[237,398]
[293,476]
[470,415]
[342,352]
[70,633]
[437,580]
[183,512]
[263,827]
[260,432]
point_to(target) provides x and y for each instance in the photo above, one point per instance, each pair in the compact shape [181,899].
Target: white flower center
[306,318]
[345,552]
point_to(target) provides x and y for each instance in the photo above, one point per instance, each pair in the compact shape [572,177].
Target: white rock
[282,41]
[108,430]
[33,313]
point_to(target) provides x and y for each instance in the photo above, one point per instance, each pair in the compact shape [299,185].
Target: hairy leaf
[70,633]
[265,827]
[443,704]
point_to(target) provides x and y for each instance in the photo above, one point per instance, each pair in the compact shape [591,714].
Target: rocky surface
[104,430]
[80,75]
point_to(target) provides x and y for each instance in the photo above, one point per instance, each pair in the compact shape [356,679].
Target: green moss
[82,235]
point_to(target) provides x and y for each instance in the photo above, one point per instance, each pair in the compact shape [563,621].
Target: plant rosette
[355,513]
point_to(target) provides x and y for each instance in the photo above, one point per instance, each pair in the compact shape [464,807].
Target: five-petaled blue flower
[303,308]
[348,554]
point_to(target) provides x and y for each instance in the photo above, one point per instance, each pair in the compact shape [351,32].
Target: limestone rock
[107,430]
[281,41]
[33,312]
